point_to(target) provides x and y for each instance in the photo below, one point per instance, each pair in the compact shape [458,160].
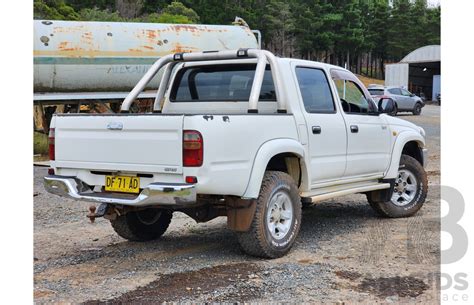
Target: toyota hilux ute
[241,134]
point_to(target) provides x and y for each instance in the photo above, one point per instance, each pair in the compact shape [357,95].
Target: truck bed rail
[170,60]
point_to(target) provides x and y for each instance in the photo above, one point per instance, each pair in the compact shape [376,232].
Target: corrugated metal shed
[399,74]
[424,54]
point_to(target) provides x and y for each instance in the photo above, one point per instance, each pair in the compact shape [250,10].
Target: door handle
[354,128]
[316,129]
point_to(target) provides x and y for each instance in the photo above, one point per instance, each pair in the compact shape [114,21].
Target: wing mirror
[386,105]
[412,94]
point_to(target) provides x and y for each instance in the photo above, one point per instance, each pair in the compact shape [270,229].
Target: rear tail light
[52,154]
[193,152]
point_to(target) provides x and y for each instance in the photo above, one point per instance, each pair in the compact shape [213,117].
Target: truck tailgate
[151,143]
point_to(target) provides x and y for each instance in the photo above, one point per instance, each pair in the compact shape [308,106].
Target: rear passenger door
[325,126]
[409,101]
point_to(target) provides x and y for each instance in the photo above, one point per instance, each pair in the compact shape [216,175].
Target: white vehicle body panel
[238,145]
[144,143]
[368,150]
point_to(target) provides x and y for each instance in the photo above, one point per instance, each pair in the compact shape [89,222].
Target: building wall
[397,75]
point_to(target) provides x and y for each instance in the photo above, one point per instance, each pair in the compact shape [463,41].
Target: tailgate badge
[115,126]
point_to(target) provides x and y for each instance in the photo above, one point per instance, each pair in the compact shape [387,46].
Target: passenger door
[368,146]
[325,126]
[396,95]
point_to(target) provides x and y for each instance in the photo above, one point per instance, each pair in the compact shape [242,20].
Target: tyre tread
[253,241]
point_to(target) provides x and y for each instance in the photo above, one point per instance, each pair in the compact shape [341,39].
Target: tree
[129,8]
[177,10]
[95,14]
[54,10]
[433,26]
[280,26]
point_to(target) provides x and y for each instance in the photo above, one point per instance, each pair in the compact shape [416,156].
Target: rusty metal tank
[78,57]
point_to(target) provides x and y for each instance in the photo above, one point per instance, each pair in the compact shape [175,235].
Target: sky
[434,2]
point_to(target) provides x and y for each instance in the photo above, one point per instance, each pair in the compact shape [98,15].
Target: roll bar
[171,60]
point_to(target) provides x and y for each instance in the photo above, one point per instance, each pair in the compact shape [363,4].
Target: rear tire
[142,225]
[277,218]
[411,188]
[417,109]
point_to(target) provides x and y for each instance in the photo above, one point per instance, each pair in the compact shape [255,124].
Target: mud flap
[240,214]
[383,195]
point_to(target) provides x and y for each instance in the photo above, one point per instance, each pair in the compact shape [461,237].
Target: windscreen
[376,91]
[220,83]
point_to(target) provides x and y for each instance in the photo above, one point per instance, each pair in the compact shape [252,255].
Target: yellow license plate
[125,184]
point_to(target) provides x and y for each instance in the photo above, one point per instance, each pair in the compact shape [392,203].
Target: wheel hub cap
[405,188]
[279,215]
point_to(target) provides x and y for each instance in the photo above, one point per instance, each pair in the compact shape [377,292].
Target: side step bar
[353,190]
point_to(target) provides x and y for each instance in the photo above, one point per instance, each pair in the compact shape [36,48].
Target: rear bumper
[158,194]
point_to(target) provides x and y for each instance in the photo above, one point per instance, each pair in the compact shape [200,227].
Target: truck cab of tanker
[243,134]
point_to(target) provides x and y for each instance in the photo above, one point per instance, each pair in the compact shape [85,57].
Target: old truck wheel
[411,188]
[277,218]
[142,225]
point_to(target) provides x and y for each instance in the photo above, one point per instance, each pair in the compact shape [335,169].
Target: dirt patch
[433,173]
[403,286]
[41,293]
[191,285]
[348,275]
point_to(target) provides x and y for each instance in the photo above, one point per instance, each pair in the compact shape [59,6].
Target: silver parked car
[405,101]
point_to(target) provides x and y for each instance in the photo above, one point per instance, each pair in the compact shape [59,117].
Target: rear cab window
[220,83]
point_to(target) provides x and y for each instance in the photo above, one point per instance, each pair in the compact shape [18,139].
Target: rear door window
[315,90]
[220,83]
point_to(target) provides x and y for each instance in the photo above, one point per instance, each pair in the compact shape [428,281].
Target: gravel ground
[344,253]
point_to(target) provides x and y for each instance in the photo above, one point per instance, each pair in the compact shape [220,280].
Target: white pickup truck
[241,134]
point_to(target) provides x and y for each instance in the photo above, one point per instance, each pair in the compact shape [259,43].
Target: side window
[315,90]
[395,91]
[405,92]
[352,97]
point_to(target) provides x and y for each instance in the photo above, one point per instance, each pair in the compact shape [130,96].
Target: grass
[40,143]
[367,80]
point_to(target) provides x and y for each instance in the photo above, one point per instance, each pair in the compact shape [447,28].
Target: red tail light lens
[193,150]
[52,155]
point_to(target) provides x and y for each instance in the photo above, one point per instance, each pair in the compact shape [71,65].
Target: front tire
[142,225]
[277,218]
[417,109]
[410,191]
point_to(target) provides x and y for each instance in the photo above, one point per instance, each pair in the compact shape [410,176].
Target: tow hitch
[97,212]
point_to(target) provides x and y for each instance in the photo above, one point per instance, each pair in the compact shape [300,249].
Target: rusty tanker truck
[91,66]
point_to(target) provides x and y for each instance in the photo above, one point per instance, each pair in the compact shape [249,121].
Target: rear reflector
[193,150]
[191,179]
[50,171]
[51,150]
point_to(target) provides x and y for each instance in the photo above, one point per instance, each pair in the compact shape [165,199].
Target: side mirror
[386,105]
[412,94]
